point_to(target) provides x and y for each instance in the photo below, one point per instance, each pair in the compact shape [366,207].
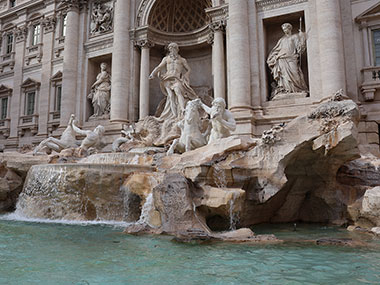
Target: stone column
[144,78]
[19,49]
[43,103]
[134,99]
[70,62]
[120,62]
[330,46]
[218,60]
[239,58]
[364,30]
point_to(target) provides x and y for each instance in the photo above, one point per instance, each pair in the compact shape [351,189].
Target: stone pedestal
[120,62]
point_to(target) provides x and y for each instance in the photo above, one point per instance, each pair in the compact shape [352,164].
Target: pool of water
[48,253]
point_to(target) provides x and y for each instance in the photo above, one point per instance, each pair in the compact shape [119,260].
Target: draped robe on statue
[283,61]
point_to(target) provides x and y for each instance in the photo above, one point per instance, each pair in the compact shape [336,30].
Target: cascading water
[219,176]
[146,211]
[76,192]
[234,214]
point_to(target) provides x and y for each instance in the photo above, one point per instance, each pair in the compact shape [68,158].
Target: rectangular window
[30,100]
[36,35]
[9,43]
[4,108]
[64,24]
[58,95]
[376,43]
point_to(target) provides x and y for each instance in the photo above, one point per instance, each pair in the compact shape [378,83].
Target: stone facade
[51,51]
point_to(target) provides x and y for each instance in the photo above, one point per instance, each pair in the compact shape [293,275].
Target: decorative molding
[74,4]
[97,45]
[264,5]
[49,24]
[21,33]
[160,38]
[144,44]
[217,26]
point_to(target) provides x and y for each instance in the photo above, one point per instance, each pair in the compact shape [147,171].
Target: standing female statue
[101,92]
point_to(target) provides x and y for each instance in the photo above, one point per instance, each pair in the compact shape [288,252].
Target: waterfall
[146,210]
[219,177]
[234,215]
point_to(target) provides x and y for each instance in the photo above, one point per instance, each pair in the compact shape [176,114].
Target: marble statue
[128,134]
[191,135]
[101,92]
[101,19]
[67,140]
[222,120]
[93,139]
[284,63]
[174,72]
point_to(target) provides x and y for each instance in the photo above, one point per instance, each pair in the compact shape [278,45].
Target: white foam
[20,218]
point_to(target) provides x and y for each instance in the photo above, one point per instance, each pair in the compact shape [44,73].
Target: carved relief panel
[102,14]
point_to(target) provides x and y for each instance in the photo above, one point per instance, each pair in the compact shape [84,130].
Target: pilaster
[48,25]
[20,34]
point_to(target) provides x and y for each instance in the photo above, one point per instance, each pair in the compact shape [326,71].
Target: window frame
[33,106]
[36,34]
[9,43]
[2,109]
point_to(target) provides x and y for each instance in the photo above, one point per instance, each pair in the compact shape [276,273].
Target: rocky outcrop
[76,191]
[173,199]
[10,188]
[13,170]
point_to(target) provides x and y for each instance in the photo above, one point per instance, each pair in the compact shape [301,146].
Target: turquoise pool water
[41,253]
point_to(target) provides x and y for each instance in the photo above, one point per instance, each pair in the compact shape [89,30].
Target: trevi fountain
[179,198]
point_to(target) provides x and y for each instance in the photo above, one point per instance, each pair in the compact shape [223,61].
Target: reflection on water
[43,253]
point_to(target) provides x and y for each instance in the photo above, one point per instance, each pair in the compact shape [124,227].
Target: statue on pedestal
[101,93]
[67,140]
[174,73]
[284,63]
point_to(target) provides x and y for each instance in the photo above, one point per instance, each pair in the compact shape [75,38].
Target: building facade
[52,51]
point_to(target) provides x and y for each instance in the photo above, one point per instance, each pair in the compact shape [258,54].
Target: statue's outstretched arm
[204,106]
[78,130]
[158,68]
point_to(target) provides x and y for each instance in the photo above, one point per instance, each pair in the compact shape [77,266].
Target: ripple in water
[40,253]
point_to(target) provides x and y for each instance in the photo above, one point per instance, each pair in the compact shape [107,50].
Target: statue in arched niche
[284,63]
[174,73]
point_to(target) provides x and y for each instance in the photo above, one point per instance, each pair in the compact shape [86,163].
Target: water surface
[48,253]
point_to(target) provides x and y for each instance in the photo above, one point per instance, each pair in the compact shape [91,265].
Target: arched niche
[184,22]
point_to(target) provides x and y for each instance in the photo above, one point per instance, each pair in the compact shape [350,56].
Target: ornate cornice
[49,24]
[74,4]
[264,5]
[217,25]
[144,44]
